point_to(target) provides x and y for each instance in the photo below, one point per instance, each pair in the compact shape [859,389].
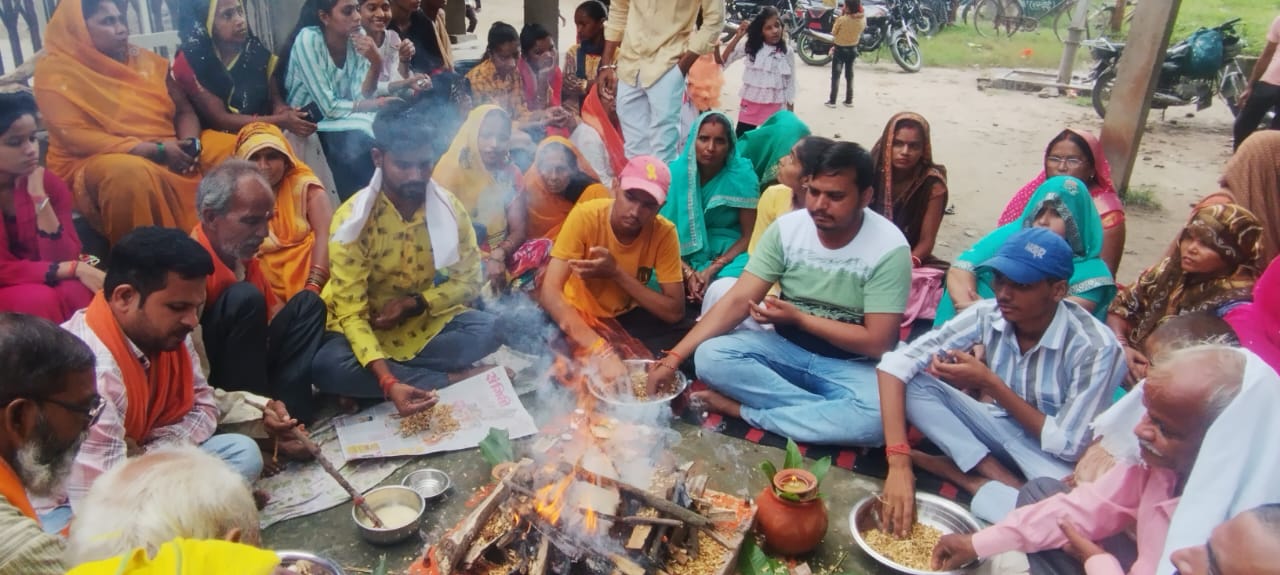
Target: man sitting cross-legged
[1187,395]
[253,342]
[1050,367]
[606,253]
[47,400]
[404,266]
[139,328]
[844,272]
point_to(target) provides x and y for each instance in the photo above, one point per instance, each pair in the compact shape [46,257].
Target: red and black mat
[869,461]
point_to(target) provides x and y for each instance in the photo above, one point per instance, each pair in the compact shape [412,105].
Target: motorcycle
[816,21]
[1177,85]
[887,25]
[923,17]
[740,12]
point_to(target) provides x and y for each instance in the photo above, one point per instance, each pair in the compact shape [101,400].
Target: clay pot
[791,527]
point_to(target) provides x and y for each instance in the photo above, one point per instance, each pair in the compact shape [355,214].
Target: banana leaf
[497,448]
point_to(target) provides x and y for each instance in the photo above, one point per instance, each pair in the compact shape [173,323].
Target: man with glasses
[1006,389]
[47,401]
[139,327]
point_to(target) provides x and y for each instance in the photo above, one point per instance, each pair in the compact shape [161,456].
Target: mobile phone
[192,147]
[944,357]
[313,112]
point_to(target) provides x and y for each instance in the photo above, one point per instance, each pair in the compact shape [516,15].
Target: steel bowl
[429,483]
[942,514]
[624,396]
[319,565]
[381,497]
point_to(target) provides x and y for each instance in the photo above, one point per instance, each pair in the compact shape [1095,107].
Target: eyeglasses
[91,412]
[1069,163]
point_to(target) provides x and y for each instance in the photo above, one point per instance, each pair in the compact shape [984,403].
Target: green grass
[961,46]
[1142,198]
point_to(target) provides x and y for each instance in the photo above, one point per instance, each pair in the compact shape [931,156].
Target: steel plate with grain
[624,395]
[941,514]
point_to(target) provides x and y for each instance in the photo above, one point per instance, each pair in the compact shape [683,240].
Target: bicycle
[1011,16]
[1098,23]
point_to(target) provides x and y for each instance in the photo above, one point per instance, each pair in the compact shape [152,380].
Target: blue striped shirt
[313,78]
[1069,376]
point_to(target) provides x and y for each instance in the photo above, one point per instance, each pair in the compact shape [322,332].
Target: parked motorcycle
[923,17]
[815,24]
[1178,85]
[741,12]
[887,25]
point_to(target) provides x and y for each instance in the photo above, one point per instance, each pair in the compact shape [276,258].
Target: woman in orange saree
[291,258]
[120,130]
[559,179]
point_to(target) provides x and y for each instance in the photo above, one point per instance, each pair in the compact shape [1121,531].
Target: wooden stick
[356,496]
[539,565]
[657,502]
[652,521]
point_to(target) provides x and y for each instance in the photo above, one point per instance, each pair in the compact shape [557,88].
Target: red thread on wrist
[386,382]
[898,449]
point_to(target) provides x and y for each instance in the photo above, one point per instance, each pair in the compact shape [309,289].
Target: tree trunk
[1117,16]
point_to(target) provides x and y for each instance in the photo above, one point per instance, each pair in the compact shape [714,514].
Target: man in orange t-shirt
[253,342]
[602,263]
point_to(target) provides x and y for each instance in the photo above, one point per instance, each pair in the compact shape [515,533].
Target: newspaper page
[478,403]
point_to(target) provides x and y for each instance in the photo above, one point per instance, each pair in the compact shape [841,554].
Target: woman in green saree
[1062,204]
[769,142]
[712,202]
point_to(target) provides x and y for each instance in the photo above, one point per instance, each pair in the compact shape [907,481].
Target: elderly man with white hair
[172,492]
[253,342]
[1181,474]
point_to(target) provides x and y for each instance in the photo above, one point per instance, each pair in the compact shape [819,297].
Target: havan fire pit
[598,496]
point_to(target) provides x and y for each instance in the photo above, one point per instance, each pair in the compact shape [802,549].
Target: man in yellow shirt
[403,266]
[603,259]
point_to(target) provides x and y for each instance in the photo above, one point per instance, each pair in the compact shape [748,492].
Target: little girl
[769,82]
[582,60]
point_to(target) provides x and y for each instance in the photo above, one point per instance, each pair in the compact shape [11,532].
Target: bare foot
[992,469]
[943,467]
[716,402]
[261,499]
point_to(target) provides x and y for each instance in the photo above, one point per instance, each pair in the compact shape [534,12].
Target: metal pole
[1074,32]
[545,12]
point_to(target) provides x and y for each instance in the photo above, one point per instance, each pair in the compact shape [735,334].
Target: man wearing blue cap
[1006,389]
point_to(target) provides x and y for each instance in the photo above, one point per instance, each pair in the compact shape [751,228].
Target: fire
[550,500]
[590,521]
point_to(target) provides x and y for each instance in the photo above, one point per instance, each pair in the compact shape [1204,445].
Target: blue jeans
[650,116]
[467,338]
[790,391]
[240,452]
[968,430]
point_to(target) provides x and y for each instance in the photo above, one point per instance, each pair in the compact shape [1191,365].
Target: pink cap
[648,174]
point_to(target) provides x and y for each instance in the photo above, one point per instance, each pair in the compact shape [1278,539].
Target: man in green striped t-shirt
[845,272]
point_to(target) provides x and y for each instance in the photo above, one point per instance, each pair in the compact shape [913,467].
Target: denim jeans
[467,338]
[650,116]
[794,392]
[239,452]
[968,430]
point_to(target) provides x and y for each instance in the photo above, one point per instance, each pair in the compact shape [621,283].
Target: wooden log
[539,564]
[450,549]
[661,504]
[639,536]
[626,566]
[652,521]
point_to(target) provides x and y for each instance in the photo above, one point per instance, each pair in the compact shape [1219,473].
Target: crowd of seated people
[799,277]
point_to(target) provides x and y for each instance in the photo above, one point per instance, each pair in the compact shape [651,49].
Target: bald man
[1245,545]
[1184,394]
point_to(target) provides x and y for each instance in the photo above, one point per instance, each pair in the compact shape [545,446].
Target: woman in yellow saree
[120,130]
[291,257]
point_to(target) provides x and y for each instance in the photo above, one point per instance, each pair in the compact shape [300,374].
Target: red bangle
[899,449]
[672,352]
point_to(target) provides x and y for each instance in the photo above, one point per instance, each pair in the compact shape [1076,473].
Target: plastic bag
[1206,52]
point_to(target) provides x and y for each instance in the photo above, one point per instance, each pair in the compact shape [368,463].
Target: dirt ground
[991,141]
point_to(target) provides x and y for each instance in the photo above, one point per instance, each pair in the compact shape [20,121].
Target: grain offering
[438,421]
[914,552]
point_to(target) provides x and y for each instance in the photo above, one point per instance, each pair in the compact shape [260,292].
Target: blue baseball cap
[1032,255]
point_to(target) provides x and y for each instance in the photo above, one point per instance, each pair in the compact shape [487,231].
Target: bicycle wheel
[987,14]
[1012,19]
[1062,22]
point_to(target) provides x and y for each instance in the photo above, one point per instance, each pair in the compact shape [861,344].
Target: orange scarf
[595,115]
[223,277]
[11,489]
[160,397]
[546,211]
[92,103]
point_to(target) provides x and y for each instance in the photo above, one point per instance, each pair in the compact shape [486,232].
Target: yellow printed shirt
[487,87]
[392,259]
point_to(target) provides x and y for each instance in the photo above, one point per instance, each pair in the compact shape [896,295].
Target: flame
[590,521]
[550,500]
